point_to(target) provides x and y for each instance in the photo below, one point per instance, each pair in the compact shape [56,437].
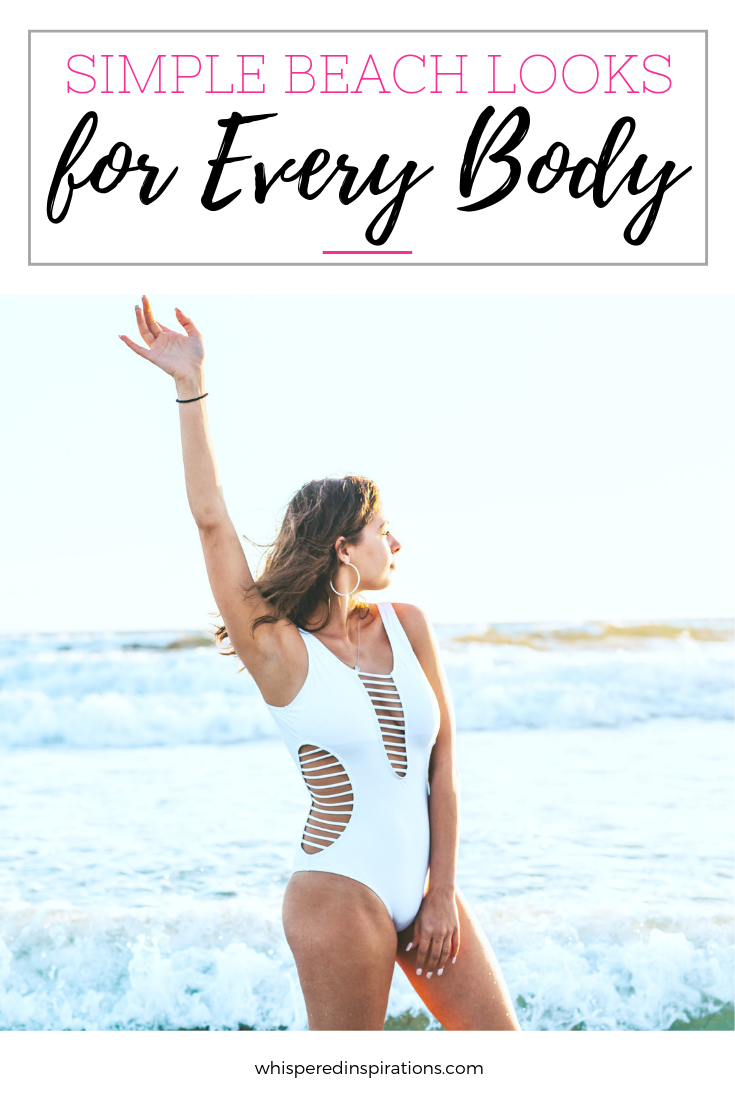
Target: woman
[360,698]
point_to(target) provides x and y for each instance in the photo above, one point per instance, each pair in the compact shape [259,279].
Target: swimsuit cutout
[362,743]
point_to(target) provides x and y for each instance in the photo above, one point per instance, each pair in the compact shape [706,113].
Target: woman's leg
[344,944]
[470,994]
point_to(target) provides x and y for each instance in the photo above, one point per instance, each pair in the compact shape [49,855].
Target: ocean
[148,814]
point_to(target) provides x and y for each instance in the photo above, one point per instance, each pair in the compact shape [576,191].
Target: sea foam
[194,965]
[157,690]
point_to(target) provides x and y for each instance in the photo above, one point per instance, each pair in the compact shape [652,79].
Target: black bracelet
[185,400]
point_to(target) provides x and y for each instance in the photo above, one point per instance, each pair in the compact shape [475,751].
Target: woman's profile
[358,694]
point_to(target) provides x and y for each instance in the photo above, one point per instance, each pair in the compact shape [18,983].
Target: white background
[429,128]
[717,278]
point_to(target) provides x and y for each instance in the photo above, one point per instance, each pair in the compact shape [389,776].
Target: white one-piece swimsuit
[362,743]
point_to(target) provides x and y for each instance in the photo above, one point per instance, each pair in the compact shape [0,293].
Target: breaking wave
[163,689]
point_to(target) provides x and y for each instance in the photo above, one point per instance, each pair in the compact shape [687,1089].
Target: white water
[148,820]
[133,691]
[143,889]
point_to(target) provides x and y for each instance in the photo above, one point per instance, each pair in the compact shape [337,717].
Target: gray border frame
[381,263]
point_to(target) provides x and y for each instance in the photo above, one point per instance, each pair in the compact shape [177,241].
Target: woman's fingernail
[409,946]
[454,960]
[429,975]
[439,972]
[418,971]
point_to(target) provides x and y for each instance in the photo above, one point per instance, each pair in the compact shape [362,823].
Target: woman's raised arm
[274,654]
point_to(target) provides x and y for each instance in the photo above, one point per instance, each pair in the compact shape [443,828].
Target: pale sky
[541,458]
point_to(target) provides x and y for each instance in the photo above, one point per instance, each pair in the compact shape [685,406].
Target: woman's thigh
[470,994]
[344,944]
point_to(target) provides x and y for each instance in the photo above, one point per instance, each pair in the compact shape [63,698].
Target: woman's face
[374,555]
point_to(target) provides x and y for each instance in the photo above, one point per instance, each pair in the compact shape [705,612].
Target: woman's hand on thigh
[435,932]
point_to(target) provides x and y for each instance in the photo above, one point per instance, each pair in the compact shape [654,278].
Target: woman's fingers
[434,955]
[150,321]
[135,347]
[435,952]
[186,322]
[424,955]
[420,948]
[444,955]
[143,327]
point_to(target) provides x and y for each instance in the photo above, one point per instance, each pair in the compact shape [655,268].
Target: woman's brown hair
[302,560]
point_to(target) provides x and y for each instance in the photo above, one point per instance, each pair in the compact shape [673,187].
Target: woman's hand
[436,932]
[179,355]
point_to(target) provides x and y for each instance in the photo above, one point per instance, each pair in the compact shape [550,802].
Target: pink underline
[367,252]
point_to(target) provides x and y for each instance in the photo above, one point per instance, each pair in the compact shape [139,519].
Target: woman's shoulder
[414,622]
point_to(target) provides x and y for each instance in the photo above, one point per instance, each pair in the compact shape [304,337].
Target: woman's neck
[340,617]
